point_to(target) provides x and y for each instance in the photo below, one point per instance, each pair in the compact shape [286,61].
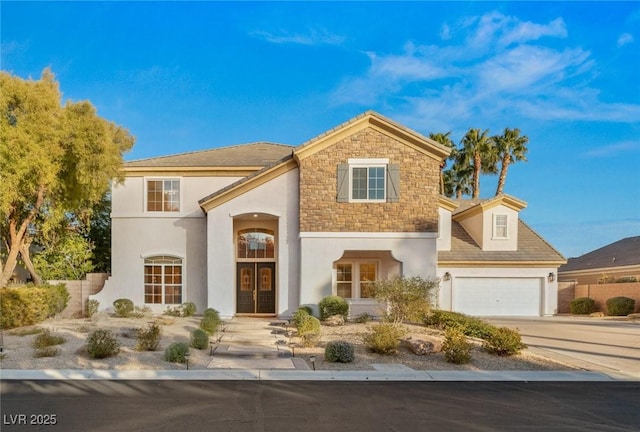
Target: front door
[256,287]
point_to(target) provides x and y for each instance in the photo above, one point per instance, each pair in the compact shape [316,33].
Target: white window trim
[355,276]
[494,234]
[183,288]
[367,165]
[146,196]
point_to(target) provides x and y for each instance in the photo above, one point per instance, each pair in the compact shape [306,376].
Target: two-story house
[264,228]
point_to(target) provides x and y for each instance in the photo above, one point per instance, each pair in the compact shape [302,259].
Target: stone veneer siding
[417,209]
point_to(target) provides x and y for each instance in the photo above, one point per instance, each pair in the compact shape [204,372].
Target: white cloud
[314,36]
[624,39]
[614,149]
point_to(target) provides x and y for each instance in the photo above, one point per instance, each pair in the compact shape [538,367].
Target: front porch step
[252,351]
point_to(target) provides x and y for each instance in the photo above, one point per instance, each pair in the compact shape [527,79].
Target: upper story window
[163,195]
[368,180]
[500,227]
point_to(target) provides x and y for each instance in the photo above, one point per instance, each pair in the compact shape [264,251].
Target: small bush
[176,352]
[101,344]
[148,339]
[363,318]
[199,339]
[123,307]
[47,351]
[47,339]
[57,298]
[173,311]
[307,309]
[406,299]
[188,309]
[626,279]
[470,326]
[211,312]
[620,306]
[582,306]
[503,341]
[339,352]
[141,312]
[384,338]
[210,324]
[309,330]
[333,305]
[299,316]
[456,348]
[24,306]
[92,307]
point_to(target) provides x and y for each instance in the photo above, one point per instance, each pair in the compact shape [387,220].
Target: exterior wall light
[446,276]
[551,277]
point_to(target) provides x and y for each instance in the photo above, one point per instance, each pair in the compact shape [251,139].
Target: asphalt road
[279,406]
[591,343]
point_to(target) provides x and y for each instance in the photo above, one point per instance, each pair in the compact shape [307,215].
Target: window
[368,180]
[500,226]
[256,243]
[163,280]
[163,195]
[356,279]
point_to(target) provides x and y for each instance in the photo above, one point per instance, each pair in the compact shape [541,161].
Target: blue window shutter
[343,183]
[393,183]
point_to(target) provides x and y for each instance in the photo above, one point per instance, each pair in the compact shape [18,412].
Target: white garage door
[497,296]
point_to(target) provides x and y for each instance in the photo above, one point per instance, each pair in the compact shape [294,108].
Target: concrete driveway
[596,344]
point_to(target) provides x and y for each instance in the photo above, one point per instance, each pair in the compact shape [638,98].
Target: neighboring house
[262,228]
[619,260]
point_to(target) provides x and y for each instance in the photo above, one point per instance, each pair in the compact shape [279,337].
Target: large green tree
[510,147]
[54,159]
[478,152]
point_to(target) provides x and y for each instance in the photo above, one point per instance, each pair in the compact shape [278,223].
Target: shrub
[92,307]
[307,309]
[503,341]
[23,306]
[46,339]
[173,311]
[210,324]
[26,331]
[101,344]
[470,326]
[406,299]
[57,298]
[309,330]
[123,307]
[199,339]
[363,318]
[188,309]
[148,339]
[141,312]
[626,279]
[620,306]
[176,352]
[384,338]
[456,348]
[582,306]
[333,305]
[299,316]
[47,351]
[339,351]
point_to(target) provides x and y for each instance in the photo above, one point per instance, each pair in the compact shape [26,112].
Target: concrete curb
[301,375]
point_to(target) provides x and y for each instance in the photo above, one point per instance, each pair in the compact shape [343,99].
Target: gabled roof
[625,252]
[471,207]
[532,250]
[257,154]
[380,123]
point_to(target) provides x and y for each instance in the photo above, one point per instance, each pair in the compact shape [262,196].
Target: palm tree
[510,147]
[477,151]
[444,139]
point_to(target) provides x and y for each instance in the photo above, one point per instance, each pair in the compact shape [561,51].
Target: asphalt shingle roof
[253,154]
[624,252]
[531,247]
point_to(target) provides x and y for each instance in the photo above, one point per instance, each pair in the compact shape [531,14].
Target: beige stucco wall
[417,209]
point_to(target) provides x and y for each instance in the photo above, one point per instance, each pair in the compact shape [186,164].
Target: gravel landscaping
[19,353]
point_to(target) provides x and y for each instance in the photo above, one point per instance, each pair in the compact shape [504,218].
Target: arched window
[163,280]
[256,243]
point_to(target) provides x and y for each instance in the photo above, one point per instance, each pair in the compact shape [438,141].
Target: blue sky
[187,76]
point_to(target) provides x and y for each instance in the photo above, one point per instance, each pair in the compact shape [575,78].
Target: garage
[497,296]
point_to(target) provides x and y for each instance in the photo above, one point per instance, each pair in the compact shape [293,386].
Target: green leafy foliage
[184,310]
[470,326]
[46,339]
[333,305]
[339,352]
[57,298]
[582,306]
[176,352]
[92,307]
[306,309]
[199,339]
[148,339]
[384,338]
[26,306]
[123,307]
[456,347]
[102,343]
[210,324]
[309,329]
[407,299]
[503,341]
[47,351]
[298,316]
[363,318]
[620,306]
[65,256]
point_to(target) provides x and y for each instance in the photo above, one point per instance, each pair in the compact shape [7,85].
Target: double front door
[256,287]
